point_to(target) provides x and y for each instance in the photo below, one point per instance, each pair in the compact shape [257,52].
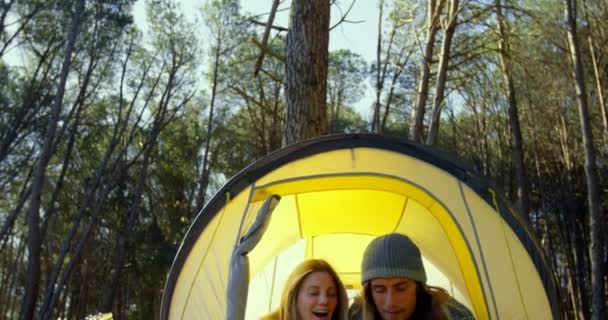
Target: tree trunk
[396,74]
[389,98]
[573,277]
[379,75]
[433,12]
[118,136]
[55,287]
[204,177]
[33,217]
[596,71]
[25,192]
[516,138]
[573,228]
[258,63]
[442,73]
[598,297]
[78,107]
[306,70]
[600,91]
[121,246]
[122,242]
[10,286]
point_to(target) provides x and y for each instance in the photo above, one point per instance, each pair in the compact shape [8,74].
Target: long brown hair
[288,309]
[431,303]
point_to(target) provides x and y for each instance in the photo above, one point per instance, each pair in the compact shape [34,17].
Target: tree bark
[433,12]
[306,70]
[33,217]
[516,137]
[442,72]
[598,297]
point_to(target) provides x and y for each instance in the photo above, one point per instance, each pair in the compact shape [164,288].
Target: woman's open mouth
[321,314]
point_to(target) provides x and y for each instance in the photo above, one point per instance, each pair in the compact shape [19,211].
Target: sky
[358,37]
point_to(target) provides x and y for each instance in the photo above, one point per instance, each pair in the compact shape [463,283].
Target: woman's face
[318,297]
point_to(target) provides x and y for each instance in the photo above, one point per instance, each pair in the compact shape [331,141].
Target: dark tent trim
[421,152]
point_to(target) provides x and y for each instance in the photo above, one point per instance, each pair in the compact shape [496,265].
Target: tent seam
[198,270]
[407,199]
[274,273]
[244,216]
[502,225]
[483,259]
[299,218]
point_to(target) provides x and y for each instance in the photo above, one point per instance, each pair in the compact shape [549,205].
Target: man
[394,285]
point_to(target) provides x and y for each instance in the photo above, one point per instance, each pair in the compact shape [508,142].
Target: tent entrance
[333,217]
[266,286]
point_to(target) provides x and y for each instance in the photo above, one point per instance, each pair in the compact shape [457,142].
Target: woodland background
[112,141]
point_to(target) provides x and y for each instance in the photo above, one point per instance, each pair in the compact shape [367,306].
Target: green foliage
[347,72]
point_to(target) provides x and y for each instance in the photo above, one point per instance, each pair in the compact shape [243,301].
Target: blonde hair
[288,309]
[436,298]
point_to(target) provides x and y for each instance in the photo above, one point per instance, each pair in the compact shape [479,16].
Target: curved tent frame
[260,168]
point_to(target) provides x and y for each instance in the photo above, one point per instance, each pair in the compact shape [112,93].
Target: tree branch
[267,50]
[273,11]
[343,18]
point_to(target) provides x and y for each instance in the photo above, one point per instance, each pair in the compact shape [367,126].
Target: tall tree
[380,76]
[599,13]
[506,65]
[33,281]
[451,22]
[102,48]
[306,62]
[174,40]
[596,247]
[434,8]
[223,23]
[347,70]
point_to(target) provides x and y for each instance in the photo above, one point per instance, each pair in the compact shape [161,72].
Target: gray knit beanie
[392,256]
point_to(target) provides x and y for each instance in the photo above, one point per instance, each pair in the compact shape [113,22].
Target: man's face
[395,298]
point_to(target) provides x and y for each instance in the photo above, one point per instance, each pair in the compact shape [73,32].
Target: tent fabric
[238,280]
[337,193]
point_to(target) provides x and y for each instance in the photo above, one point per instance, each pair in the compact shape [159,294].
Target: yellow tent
[337,193]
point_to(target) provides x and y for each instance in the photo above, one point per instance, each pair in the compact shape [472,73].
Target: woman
[313,291]
[394,285]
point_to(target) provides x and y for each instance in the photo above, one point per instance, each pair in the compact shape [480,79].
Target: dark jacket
[456,311]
